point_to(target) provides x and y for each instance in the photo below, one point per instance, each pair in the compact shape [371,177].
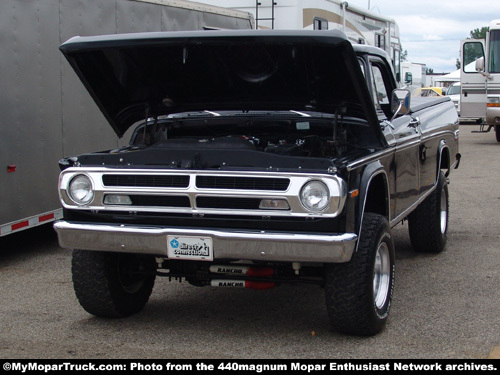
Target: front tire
[359,293]
[112,285]
[428,224]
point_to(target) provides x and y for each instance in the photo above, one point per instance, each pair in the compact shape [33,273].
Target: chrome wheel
[428,223]
[381,275]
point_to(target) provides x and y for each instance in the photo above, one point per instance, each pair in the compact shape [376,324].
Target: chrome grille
[201,192]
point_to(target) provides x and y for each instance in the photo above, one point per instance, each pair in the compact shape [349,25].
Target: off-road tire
[112,285]
[428,224]
[352,304]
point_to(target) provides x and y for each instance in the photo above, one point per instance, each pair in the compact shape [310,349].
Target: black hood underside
[135,76]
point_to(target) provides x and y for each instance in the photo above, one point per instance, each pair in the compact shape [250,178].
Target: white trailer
[480,80]
[360,25]
[414,75]
[46,113]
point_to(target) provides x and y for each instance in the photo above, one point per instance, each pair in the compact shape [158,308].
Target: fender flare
[370,172]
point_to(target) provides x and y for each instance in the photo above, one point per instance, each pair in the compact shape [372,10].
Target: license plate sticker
[190,247]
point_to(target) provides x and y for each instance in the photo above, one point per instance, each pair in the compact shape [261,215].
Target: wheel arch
[444,159]
[374,193]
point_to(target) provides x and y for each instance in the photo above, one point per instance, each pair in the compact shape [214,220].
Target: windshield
[494,63]
[454,90]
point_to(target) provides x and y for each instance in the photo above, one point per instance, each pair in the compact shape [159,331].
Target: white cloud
[432,37]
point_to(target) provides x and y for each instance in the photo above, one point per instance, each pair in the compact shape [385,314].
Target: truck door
[406,162]
[473,83]
[405,138]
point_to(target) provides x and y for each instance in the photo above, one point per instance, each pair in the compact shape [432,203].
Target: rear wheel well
[444,162]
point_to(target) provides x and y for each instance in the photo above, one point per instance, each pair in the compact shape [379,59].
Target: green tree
[479,33]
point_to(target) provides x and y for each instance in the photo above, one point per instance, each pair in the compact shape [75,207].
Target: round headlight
[315,196]
[80,189]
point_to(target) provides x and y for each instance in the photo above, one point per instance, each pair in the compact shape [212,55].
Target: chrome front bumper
[227,244]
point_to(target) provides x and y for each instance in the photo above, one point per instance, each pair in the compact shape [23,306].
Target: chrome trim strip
[407,145]
[370,158]
[233,245]
[395,148]
[429,135]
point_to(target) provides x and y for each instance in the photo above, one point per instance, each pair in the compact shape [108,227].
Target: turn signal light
[354,193]
[274,204]
[115,199]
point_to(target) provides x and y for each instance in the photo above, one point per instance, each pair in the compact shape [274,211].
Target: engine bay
[302,136]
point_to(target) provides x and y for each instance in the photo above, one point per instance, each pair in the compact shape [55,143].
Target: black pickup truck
[257,158]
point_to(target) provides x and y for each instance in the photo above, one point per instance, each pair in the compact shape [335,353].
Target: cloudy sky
[431,30]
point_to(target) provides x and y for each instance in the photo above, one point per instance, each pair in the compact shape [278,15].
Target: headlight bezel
[310,187]
[88,197]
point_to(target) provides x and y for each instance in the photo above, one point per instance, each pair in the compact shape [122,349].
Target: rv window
[320,24]
[494,55]
[397,64]
[380,41]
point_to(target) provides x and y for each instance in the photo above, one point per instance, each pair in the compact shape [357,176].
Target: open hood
[135,76]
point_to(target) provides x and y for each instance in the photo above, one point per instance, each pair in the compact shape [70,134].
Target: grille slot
[228,203]
[242,183]
[176,181]
[160,201]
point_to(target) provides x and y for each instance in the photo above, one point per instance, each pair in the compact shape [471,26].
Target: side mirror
[480,64]
[400,102]
[408,78]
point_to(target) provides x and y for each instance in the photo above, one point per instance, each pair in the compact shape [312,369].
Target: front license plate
[188,247]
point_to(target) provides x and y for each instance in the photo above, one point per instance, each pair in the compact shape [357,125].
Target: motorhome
[480,80]
[360,25]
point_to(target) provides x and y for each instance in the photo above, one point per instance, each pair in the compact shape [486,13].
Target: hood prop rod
[145,125]
[153,130]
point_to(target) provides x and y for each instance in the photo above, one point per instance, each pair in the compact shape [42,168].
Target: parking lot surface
[445,305]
